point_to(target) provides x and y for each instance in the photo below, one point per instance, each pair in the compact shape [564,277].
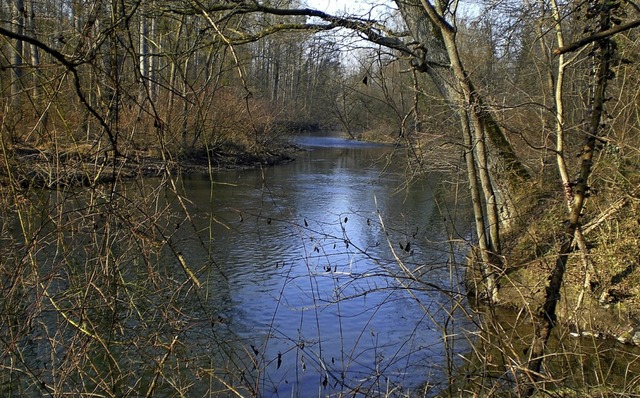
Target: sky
[362,6]
[338,7]
[381,10]
[334,6]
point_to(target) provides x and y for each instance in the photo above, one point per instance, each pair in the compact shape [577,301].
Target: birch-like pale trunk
[143,55]
[34,52]
[546,315]
[441,61]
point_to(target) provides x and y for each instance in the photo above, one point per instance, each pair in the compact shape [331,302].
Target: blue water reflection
[315,258]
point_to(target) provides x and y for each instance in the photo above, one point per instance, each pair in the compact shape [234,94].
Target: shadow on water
[577,365]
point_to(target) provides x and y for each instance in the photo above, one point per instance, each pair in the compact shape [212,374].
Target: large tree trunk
[440,59]
[489,290]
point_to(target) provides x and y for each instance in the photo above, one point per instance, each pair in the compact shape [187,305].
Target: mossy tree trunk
[440,59]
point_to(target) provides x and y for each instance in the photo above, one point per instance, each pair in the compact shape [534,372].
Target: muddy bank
[38,168]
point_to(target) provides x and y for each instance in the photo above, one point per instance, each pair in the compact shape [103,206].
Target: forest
[533,104]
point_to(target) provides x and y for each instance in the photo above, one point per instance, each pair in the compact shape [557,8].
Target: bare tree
[17,62]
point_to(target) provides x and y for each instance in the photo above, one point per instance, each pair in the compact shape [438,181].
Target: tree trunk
[472,102]
[440,59]
[144,51]
[546,316]
[35,52]
[490,289]
[173,74]
[41,116]
[153,61]
[17,54]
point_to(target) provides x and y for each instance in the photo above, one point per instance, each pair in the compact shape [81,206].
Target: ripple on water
[308,264]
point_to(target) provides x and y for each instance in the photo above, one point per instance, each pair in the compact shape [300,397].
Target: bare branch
[596,36]
[71,66]
[63,59]
[368,28]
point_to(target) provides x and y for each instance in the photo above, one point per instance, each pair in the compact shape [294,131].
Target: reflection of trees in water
[312,274]
[500,351]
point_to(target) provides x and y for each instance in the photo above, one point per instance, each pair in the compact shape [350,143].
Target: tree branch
[243,38]
[71,67]
[363,26]
[54,53]
[595,37]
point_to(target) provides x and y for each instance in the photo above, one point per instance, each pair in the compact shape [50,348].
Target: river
[332,275]
[334,272]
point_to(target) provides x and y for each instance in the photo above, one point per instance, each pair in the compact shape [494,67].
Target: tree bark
[490,289]
[440,59]
[144,50]
[35,52]
[17,60]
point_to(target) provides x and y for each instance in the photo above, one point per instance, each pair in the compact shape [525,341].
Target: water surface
[333,271]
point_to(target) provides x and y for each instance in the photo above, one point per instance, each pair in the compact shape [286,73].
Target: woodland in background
[540,98]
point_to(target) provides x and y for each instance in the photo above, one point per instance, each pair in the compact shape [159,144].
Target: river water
[337,275]
[333,273]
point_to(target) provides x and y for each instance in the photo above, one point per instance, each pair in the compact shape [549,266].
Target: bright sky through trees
[377,9]
[365,6]
[335,6]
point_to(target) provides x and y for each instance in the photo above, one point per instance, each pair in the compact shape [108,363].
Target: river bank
[601,288]
[76,166]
